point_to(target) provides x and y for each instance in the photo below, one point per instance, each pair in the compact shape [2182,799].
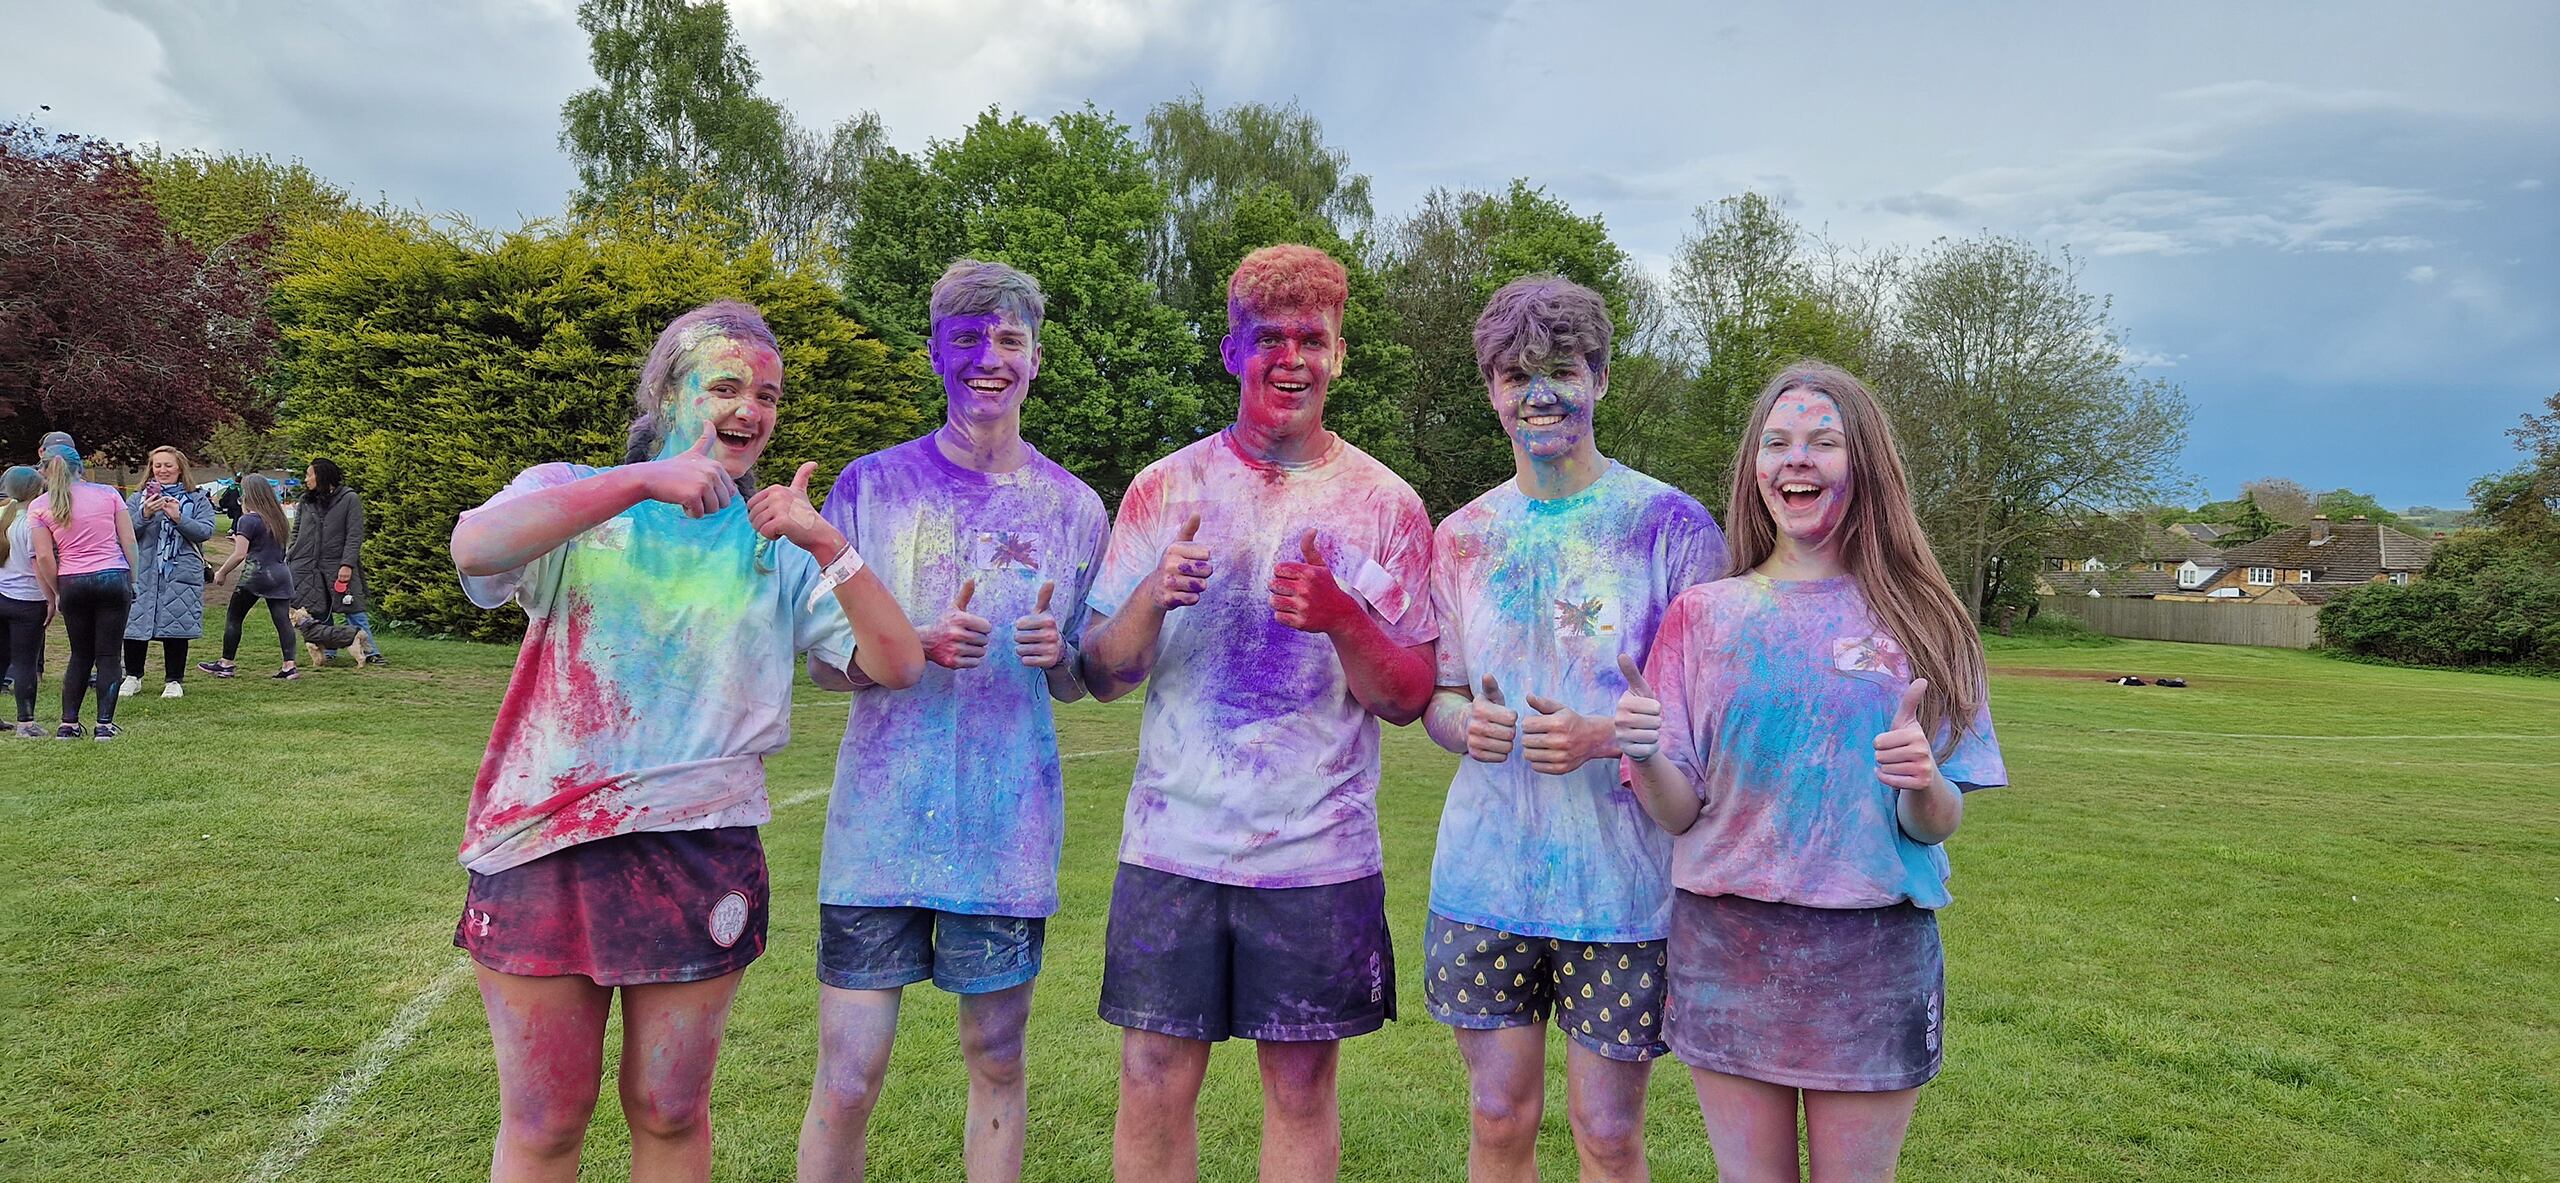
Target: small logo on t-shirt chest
[1005,550]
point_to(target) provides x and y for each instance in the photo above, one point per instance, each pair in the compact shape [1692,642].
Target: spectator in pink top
[85,556]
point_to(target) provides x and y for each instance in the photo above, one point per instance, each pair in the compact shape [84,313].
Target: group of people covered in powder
[1705,777]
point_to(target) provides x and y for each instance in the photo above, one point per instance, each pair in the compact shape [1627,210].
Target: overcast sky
[2335,224]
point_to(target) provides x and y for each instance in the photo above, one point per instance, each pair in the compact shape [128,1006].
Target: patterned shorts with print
[1607,995]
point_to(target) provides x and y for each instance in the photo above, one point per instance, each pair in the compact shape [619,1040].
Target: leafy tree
[2015,407]
[1210,161]
[2345,504]
[219,202]
[112,327]
[434,362]
[2284,500]
[1440,265]
[676,116]
[1070,200]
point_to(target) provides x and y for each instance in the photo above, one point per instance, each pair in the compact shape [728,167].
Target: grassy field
[2298,921]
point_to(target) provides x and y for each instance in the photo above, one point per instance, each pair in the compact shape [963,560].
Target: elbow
[901,669]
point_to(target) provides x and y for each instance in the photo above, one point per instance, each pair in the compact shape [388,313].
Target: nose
[1291,356]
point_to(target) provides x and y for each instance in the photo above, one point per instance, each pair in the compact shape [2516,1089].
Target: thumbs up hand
[958,640]
[1903,756]
[1639,721]
[1182,572]
[1490,725]
[1035,637]
[691,480]
[1558,739]
[1304,595]
[784,511]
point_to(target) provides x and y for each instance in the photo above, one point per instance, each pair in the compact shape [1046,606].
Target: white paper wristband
[846,566]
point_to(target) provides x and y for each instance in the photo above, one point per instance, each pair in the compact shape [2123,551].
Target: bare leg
[1751,1125]
[1301,1111]
[1606,1100]
[1506,1099]
[1156,1138]
[991,1027]
[670,1044]
[856,1029]
[1856,1137]
[549,1037]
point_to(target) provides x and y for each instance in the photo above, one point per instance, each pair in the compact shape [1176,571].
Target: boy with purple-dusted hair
[941,855]
[1271,579]
[1549,892]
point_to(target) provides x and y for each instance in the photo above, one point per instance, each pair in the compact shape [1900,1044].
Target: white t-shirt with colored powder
[659,652]
[1256,765]
[948,794]
[1544,595]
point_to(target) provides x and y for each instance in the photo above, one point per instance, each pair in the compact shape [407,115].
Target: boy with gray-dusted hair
[941,857]
[1550,891]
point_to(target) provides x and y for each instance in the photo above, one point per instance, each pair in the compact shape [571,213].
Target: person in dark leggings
[261,547]
[24,607]
[85,556]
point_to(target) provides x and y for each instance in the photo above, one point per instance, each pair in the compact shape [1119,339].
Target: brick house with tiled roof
[2161,562]
[2321,552]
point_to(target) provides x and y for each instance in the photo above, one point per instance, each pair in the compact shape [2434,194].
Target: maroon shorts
[630,910]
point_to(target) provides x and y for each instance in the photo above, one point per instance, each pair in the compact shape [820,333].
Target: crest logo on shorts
[1933,1024]
[1378,980]
[729,919]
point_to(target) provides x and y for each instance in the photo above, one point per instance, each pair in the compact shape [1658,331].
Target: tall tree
[2281,498]
[676,111]
[1440,265]
[222,201]
[1209,161]
[2016,409]
[112,327]
[1071,201]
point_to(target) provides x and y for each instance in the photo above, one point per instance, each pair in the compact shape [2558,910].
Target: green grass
[2185,947]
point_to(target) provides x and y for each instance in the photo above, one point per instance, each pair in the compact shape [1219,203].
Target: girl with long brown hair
[1805,729]
[258,539]
[25,608]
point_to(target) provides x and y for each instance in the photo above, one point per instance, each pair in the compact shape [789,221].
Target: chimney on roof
[2319,529]
[2439,535]
[2357,518]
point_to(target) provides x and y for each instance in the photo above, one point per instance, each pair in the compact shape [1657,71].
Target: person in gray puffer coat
[170,521]
[326,555]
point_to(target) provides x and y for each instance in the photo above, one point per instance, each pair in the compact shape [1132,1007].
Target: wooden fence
[2284,626]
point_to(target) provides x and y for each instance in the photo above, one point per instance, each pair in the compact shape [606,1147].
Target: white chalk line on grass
[330,1107]
[2276,735]
[805,796]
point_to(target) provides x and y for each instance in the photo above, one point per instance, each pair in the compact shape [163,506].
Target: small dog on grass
[319,635]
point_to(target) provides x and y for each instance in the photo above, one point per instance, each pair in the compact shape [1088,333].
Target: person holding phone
[170,521]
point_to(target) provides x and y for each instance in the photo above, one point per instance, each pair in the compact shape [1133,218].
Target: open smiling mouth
[990,385]
[1798,494]
[1542,419]
[735,438]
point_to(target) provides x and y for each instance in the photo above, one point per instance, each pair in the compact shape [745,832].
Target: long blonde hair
[19,485]
[1881,544]
[258,496]
[60,464]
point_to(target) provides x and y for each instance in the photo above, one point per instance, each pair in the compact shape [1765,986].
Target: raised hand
[1903,757]
[1035,637]
[1490,725]
[1639,720]
[692,481]
[784,511]
[1182,572]
[959,640]
[1304,595]
[1558,739]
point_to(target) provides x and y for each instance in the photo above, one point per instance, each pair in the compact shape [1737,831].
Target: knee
[994,1054]
[1608,1135]
[847,1093]
[666,1109]
[1297,1088]
[1505,1122]
[548,1126]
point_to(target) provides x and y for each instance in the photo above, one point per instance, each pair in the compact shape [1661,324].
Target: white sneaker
[174,690]
[132,686]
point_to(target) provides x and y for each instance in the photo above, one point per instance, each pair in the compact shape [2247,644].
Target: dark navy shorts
[630,910]
[1200,960]
[863,948]
[1835,999]
[1607,995]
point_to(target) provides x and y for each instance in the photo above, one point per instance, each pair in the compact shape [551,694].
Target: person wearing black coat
[326,555]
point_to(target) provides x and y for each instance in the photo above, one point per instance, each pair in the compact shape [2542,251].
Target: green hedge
[2485,600]
[434,363]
